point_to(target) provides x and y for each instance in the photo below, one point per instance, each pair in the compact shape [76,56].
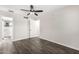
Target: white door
[34,28]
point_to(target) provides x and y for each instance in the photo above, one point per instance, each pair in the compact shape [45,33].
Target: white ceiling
[16,8]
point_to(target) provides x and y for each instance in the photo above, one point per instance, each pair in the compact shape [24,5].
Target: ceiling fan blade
[28,14]
[10,10]
[25,10]
[38,10]
[36,14]
[25,17]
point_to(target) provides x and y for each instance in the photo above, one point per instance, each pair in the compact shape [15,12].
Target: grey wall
[62,26]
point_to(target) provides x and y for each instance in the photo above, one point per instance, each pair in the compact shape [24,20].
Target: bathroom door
[7,28]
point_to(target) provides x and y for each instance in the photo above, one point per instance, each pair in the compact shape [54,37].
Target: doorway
[7,28]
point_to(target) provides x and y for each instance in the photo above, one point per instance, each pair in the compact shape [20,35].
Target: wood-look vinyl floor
[34,46]
[41,46]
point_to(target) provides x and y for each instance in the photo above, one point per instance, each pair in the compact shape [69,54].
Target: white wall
[62,26]
[3,14]
[21,26]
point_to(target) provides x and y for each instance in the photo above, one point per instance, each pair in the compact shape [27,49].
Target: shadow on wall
[62,27]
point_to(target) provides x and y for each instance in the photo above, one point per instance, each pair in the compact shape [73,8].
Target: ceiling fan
[32,10]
